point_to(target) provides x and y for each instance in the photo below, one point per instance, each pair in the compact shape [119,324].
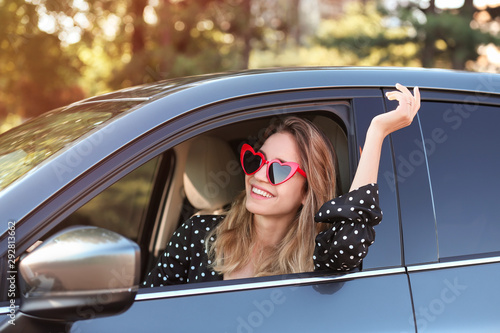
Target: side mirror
[79,273]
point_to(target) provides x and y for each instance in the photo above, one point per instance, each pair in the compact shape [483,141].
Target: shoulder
[201,224]
[209,220]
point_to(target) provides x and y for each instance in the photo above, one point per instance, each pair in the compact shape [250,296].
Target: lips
[261,192]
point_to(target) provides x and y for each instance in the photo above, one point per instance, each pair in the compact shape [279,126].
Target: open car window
[207,174]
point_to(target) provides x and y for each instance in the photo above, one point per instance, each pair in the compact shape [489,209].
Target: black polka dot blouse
[340,248]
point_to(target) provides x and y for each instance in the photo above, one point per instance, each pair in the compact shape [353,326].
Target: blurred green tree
[183,38]
[36,75]
[56,52]
[446,38]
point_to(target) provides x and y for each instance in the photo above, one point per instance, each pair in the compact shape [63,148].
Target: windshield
[28,145]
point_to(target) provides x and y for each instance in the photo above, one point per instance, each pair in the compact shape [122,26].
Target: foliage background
[54,52]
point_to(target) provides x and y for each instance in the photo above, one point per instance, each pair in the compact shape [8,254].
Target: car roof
[317,77]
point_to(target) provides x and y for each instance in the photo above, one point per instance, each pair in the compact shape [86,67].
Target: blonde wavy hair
[235,235]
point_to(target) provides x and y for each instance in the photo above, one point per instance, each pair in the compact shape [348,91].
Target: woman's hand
[403,115]
[381,126]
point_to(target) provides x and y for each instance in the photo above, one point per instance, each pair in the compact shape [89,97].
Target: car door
[376,298]
[447,185]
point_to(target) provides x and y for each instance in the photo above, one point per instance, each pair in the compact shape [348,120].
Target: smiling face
[282,200]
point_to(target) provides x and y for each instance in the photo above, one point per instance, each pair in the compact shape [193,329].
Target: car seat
[212,176]
[339,141]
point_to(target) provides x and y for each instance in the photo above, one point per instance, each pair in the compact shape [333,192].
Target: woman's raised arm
[381,126]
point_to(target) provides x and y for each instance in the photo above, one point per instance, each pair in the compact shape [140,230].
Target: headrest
[213,176]
[339,141]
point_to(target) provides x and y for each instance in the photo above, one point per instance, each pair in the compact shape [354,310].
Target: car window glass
[121,207]
[414,195]
[26,146]
[461,141]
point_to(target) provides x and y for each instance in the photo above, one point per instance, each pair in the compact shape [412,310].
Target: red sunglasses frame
[294,166]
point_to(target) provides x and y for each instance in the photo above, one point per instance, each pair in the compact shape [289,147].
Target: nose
[261,174]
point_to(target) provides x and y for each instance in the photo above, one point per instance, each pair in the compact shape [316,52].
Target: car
[90,194]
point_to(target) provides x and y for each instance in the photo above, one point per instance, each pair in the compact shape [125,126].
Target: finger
[392,95]
[404,101]
[403,89]
[416,93]
[414,101]
[407,94]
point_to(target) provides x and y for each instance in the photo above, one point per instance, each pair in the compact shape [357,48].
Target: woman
[289,183]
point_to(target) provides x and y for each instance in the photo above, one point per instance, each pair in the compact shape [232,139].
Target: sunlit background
[56,52]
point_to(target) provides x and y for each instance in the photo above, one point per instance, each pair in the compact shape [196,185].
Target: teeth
[260,192]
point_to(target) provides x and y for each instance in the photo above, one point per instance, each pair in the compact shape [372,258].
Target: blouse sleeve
[353,215]
[172,265]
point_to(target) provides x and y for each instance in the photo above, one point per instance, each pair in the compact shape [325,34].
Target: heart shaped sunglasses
[277,172]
